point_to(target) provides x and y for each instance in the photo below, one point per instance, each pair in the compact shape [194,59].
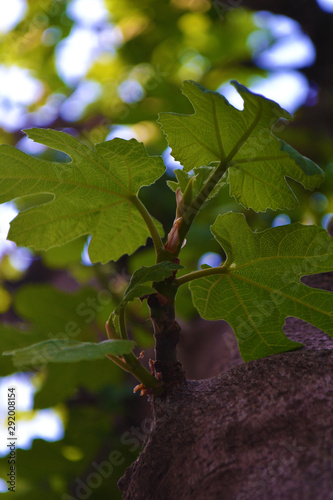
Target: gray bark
[261,430]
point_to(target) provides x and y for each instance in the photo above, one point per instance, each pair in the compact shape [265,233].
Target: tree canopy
[104,69]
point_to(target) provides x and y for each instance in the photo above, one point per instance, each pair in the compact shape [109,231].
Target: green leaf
[136,291]
[67,351]
[53,313]
[49,313]
[157,272]
[242,142]
[259,285]
[64,256]
[93,194]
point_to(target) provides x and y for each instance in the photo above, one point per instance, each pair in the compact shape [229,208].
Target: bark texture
[261,430]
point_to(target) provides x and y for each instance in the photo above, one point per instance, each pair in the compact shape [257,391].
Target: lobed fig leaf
[241,141]
[260,283]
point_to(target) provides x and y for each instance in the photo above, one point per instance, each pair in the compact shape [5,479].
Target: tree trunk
[262,430]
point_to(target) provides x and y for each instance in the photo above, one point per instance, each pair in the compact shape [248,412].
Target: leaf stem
[129,362]
[132,365]
[149,222]
[192,210]
[201,274]
[122,324]
[118,362]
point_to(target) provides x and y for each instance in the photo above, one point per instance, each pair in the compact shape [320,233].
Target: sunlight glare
[45,424]
[212,259]
[11,13]
[326,5]
[88,12]
[288,88]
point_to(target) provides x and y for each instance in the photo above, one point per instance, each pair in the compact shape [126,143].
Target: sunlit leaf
[241,141]
[67,351]
[93,194]
[259,285]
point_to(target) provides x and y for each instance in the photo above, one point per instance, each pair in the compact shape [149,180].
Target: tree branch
[167,336]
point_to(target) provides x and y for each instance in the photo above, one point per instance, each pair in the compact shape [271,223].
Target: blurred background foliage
[99,69]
